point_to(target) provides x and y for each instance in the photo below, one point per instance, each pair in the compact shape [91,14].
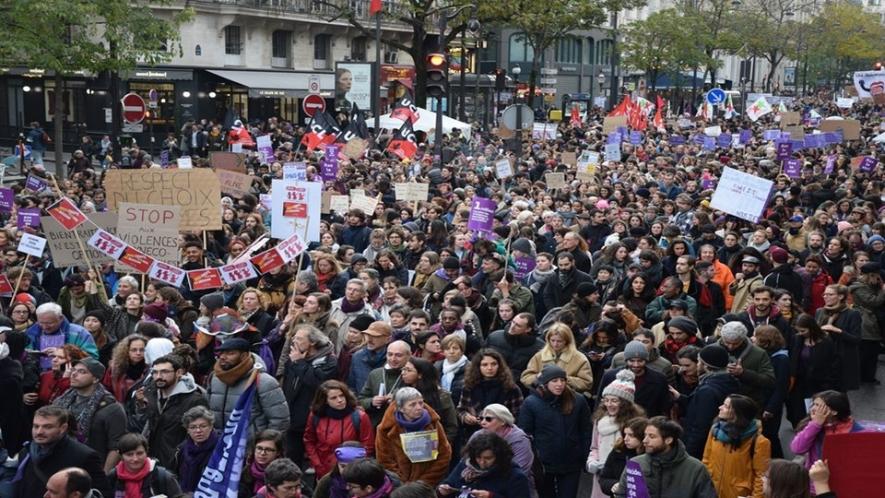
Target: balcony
[312,8]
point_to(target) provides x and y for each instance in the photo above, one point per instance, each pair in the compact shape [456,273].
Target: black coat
[783,277]
[817,374]
[614,466]
[517,350]
[164,419]
[555,295]
[702,406]
[562,441]
[262,322]
[12,412]
[66,453]
[847,347]
[652,393]
[301,380]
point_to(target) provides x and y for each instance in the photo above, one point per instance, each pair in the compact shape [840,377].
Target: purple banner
[635,480]
[28,217]
[746,136]
[833,137]
[708,182]
[36,183]
[164,158]
[7,198]
[482,215]
[868,164]
[699,139]
[523,266]
[831,164]
[614,138]
[784,149]
[723,140]
[793,168]
[811,141]
[622,130]
[798,144]
[709,143]
[677,140]
[329,166]
[635,137]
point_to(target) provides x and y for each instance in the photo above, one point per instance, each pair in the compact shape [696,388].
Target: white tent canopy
[426,122]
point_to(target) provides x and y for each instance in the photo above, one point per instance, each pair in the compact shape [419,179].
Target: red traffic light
[436,61]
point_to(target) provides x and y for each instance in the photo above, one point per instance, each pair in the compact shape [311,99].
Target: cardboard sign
[234,184]
[230,161]
[844,103]
[339,203]
[482,214]
[569,158]
[795,132]
[364,203]
[294,171]
[850,128]
[586,168]
[185,162]
[611,123]
[31,245]
[167,273]
[555,180]
[107,244]
[197,191]
[713,131]
[412,191]
[790,119]
[206,279]
[237,272]
[66,213]
[503,168]
[151,229]
[135,259]
[268,260]
[63,243]
[355,148]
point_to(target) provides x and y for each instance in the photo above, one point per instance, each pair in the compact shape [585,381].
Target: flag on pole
[729,108]
[221,477]
[759,108]
[636,117]
[622,108]
[404,144]
[705,111]
[374,7]
[576,117]
[659,116]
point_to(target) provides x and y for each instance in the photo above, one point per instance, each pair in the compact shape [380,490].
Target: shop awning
[275,84]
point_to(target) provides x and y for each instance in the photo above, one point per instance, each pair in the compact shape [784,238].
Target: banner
[7,199]
[107,244]
[265,148]
[741,194]
[290,248]
[267,261]
[482,215]
[295,171]
[503,168]
[28,217]
[136,260]
[63,243]
[197,191]
[636,486]
[151,229]
[167,273]
[221,477]
[36,184]
[230,161]
[353,85]
[205,279]
[31,245]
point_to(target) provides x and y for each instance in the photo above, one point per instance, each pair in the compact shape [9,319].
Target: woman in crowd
[422,375]
[601,346]
[616,409]
[404,417]
[787,306]
[429,346]
[843,324]
[786,479]
[136,475]
[681,331]
[558,420]
[331,280]
[736,453]
[638,294]
[453,367]
[813,366]
[770,339]
[251,305]
[560,350]
[335,417]
[94,322]
[57,380]
[628,445]
[505,313]
[333,485]
[388,263]
[497,419]
[22,314]
[127,366]
[487,466]
[427,265]
[194,452]
[830,414]
[265,447]
[487,380]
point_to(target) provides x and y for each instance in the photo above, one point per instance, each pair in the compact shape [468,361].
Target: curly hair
[336,267]
[262,300]
[120,357]
[489,441]
[473,375]
[320,399]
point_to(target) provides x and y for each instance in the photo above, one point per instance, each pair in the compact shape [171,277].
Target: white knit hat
[622,387]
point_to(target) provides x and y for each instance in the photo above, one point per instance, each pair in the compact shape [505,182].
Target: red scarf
[132,481]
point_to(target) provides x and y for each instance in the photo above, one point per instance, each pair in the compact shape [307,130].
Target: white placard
[713,131]
[544,131]
[503,168]
[613,152]
[185,162]
[237,272]
[412,191]
[32,245]
[238,148]
[286,193]
[291,247]
[364,203]
[844,102]
[295,171]
[555,180]
[741,194]
[106,243]
[339,203]
[166,273]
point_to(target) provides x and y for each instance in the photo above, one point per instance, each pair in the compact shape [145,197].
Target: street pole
[613,97]
[518,115]
[377,78]
[438,136]
[462,92]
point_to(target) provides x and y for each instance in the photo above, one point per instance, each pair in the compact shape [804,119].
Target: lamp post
[601,79]
[516,72]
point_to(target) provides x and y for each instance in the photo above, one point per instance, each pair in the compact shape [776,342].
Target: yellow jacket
[575,364]
[735,472]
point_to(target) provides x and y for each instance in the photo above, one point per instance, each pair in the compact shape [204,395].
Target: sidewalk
[14,174]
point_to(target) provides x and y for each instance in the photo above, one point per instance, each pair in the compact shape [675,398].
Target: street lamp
[516,71]
[601,79]
[443,21]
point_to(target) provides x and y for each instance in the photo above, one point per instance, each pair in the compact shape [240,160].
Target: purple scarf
[257,472]
[413,425]
[193,460]
[348,307]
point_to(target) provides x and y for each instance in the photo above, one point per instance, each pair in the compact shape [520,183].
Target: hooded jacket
[672,474]
[562,440]
[165,431]
[784,277]
[301,380]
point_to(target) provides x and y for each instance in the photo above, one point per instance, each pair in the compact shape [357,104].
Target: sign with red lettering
[136,259]
[288,218]
[291,247]
[294,210]
[107,244]
[150,228]
[210,278]
[166,273]
[268,260]
[66,213]
[237,272]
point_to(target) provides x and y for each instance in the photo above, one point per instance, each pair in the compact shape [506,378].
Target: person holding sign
[411,440]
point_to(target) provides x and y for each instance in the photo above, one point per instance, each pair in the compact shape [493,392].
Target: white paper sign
[364,203]
[295,171]
[238,148]
[544,131]
[290,248]
[412,191]
[613,152]
[32,245]
[237,272]
[286,196]
[339,203]
[844,102]
[185,162]
[167,273]
[741,194]
[555,180]
[502,168]
[106,243]
[713,131]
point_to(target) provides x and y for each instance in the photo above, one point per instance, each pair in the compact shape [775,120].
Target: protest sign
[268,260]
[844,102]
[713,131]
[555,180]
[855,462]
[63,243]
[28,217]
[136,260]
[676,139]
[357,191]
[850,128]
[795,132]
[151,229]
[185,162]
[613,152]
[237,272]
[544,131]
[793,168]
[569,158]
[164,158]
[831,164]
[724,140]
[106,244]
[503,168]
[635,137]
[205,279]
[611,123]
[7,199]
[290,248]
[783,151]
[295,171]
[613,138]
[31,245]
[230,161]
[482,215]
[524,266]
[167,273]
[771,134]
[36,184]
[868,164]
[709,143]
[237,148]
[790,119]
[412,191]
[197,191]
[329,164]
[364,203]
[635,480]
[741,194]
[234,184]
[746,136]
[420,446]
[355,148]
[286,193]
[339,203]
[587,164]
[265,149]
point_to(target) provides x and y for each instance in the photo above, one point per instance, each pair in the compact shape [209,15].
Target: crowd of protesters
[651,328]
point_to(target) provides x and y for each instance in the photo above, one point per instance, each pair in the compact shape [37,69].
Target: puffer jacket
[868,301]
[390,454]
[737,471]
[701,406]
[269,409]
[575,364]
[672,474]
[164,419]
[562,441]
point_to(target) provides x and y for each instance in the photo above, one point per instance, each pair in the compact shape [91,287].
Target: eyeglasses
[200,427]
[265,449]
[489,419]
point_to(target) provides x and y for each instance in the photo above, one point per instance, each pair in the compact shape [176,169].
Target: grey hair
[308,277]
[316,337]
[405,394]
[129,279]
[50,309]
[359,282]
[196,413]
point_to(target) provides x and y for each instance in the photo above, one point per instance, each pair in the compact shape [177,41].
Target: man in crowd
[347,308]
[762,311]
[518,343]
[651,386]
[559,289]
[749,363]
[671,289]
[53,331]
[377,393]
[72,482]
[374,353]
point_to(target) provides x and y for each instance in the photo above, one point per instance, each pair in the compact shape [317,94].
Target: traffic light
[437,75]
[878,66]
[500,79]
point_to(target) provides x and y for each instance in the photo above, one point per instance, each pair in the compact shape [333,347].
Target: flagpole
[377,88]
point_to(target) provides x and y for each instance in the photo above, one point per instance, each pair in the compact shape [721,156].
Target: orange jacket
[722,275]
[733,470]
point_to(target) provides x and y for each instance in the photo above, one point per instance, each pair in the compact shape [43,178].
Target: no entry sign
[313,104]
[133,108]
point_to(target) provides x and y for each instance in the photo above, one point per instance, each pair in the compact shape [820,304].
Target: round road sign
[716,96]
[133,108]
[313,104]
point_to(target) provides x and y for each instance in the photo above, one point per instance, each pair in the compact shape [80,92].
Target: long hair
[428,380]
[628,411]
[262,300]
[473,375]
[835,401]
[320,399]
[336,267]
[744,409]
[120,356]
[788,480]
[637,427]
[489,441]
[564,332]
[807,321]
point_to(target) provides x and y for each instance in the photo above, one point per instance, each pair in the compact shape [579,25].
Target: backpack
[354,419]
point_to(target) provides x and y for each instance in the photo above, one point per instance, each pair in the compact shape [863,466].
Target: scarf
[413,425]
[336,414]
[232,376]
[672,347]
[84,417]
[448,372]
[830,315]
[348,307]
[722,431]
[132,480]
[471,473]
[257,472]
[193,458]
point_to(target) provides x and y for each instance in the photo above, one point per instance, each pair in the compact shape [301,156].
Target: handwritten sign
[295,171]
[63,243]
[339,203]
[233,183]
[412,191]
[150,228]
[364,203]
[185,162]
[555,180]
[503,169]
[230,161]
[793,168]
[32,245]
[741,194]
[613,152]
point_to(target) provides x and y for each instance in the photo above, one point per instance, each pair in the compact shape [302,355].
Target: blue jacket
[562,441]
[700,409]
[35,139]
[358,237]
[74,334]
[363,362]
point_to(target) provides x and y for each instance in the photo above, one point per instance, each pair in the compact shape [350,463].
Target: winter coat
[651,392]
[554,294]
[390,454]
[362,362]
[783,277]
[672,474]
[323,434]
[809,441]
[868,301]
[819,372]
[391,380]
[655,361]
[30,480]
[774,318]
[356,236]
[301,380]
[343,319]
[64,300]
[575,364]
[165,431]
[847,347]
[517,350]
[561,440]
[12,421]
[605,432]
[614,466]
[504,483]
[269,408]
[741,292]
[655,311]
[522,297]
[74,334]
[159,481]
[737,471]
[457,380]
[701,407]
[757,379]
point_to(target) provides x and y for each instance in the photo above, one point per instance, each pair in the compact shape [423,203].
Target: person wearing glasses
[497,419]
[171,394]
[193,454]
[266,447]
[136,475]
[283,479]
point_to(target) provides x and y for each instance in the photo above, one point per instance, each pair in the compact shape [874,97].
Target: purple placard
[329,165]
[482,215]
[833,137]
[699,139]
[771,134]
[164,158]
[708,182]
[723,140]
[28,217]
[622,130]
[36,183]
[614,138]
[831,164]
[635,137]
[709,143]
[811,141]
[746,136]
[786,136]
[793,168]
[7,198]
[523,266]
[798,144]
[677,140]
[635,480]
[868,164]
[266,150]
[784,149]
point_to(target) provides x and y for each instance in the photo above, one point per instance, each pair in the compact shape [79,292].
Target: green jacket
[757,379]
[391,380]
[522,296]
[673,474]
[866,301]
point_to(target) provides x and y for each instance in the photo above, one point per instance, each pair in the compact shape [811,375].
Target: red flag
[576,116]
[405,110]
[323,131]
[659,113]
[404,144]
[636,118]
[374,7]
[622,108]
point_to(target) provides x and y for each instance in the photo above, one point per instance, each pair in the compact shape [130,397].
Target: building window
[568,50]
[233,42]
[281,41]
[358,49]
[604,52]
[519,49]
[321,49]
[391,55]
[591,51]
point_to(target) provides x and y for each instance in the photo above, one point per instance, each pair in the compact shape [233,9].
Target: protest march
[634,303]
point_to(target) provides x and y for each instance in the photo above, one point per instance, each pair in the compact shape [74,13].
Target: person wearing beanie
[744,282]
[75,301]
[558,421]
[584,305]
[869,298]
[615,411]
[876,248]
[651,385]
[749,364]
[672,289]
[94,322]
[522,248]
[213,303]
[782,275]
[441,281]
[681,331]
[698,409]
